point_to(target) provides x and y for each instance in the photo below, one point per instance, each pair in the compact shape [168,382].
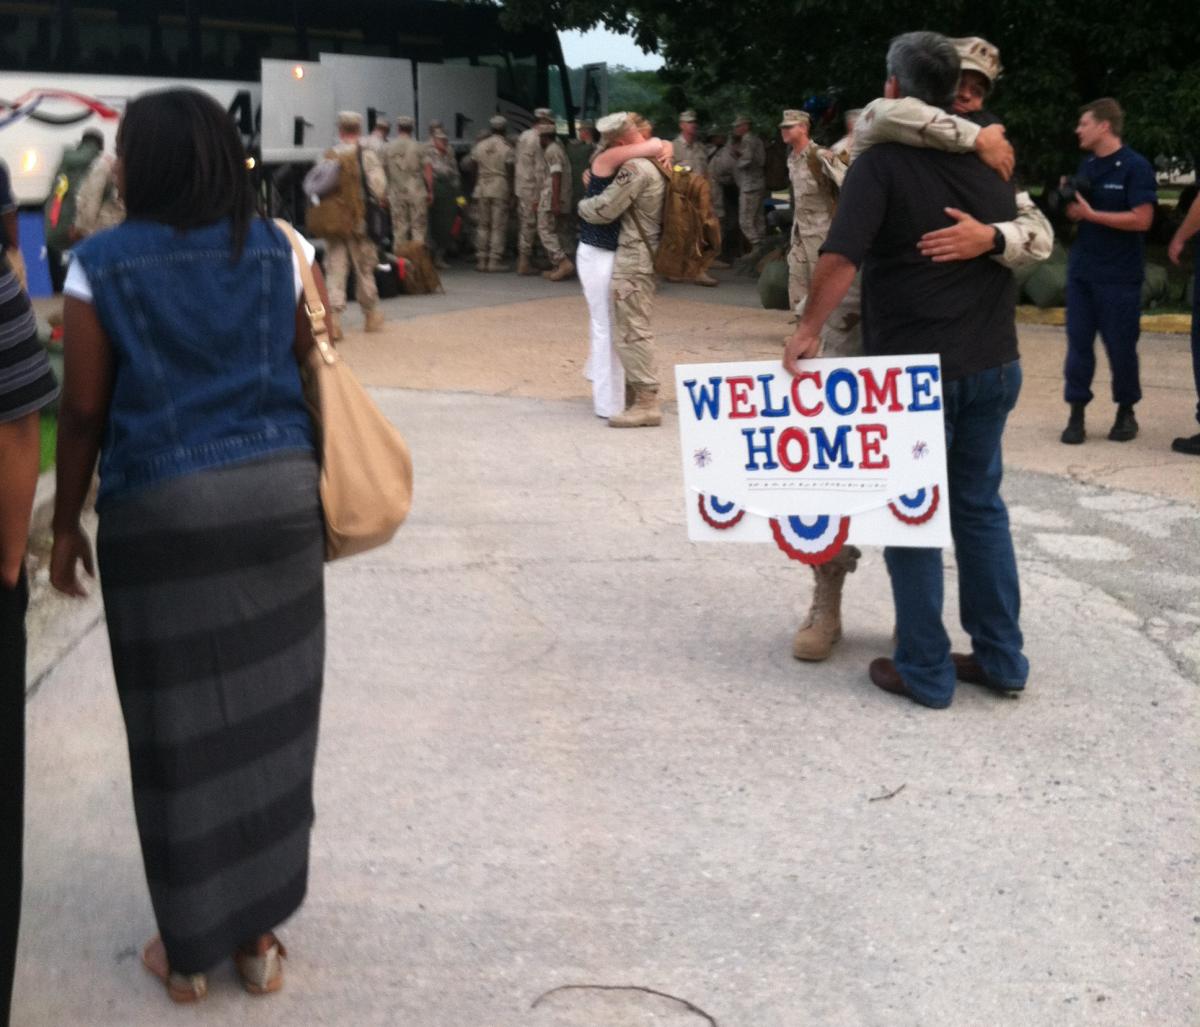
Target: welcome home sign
[851,450]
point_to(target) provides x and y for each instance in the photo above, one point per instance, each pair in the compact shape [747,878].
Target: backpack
[691,233]
[417,273]
[338,214]
[59,210]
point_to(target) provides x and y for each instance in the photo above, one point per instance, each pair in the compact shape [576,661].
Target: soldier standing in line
[445,183]
[689,148]
[554,203]
[813,203]
[409,191]
[527,186]
[722,166]
[492,159]
[636,197]
[357,249]
[750,158]
[378,138]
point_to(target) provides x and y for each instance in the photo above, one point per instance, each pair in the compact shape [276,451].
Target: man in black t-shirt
[964,311]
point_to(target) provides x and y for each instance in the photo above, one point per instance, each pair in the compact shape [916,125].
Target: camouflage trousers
[409,214]
[550,228]
[527,231]
[752,219]
[633,300]
[340,254]
[802,262]
[842,334]
[491,229]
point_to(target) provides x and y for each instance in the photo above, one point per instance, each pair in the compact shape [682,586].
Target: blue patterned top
[603,237]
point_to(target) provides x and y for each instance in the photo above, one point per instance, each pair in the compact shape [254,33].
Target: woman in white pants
[620,140]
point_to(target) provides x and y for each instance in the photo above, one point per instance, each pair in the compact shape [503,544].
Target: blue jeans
[976,408]
[1115,310]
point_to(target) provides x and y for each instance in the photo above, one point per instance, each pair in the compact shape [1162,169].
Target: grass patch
[49,441]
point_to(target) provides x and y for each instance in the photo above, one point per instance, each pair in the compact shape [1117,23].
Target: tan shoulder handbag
[366,468]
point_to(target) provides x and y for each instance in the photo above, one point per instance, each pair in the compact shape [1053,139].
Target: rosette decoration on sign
[718,514]
[811,540]
[917,507]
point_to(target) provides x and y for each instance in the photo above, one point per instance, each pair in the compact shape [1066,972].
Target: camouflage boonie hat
[688,116]
[975,54]
[791,118]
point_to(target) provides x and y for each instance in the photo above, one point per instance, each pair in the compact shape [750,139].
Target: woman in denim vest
[182,334]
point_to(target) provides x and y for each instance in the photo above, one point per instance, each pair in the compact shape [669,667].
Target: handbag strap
[313,307]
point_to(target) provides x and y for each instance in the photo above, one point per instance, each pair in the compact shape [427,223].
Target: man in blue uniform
[1114,208]
[1190,444]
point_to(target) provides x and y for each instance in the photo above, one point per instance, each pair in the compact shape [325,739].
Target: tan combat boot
[643,413]
[525,265]
[561,273]
[822,628]
[334,324]
[373,321]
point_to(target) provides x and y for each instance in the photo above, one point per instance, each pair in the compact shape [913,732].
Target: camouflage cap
[543,113]
[791,118]
[439,133]
[612,123]
[349,121]
[546,128]
[688,116]
[741,119]
[588,123]
[498,121]
[975,54]
[435,124]
[406,122]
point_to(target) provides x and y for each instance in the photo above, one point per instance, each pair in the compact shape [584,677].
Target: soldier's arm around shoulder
[912,122]
[618,197]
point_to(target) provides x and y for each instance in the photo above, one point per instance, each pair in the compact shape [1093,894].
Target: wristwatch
[998,243]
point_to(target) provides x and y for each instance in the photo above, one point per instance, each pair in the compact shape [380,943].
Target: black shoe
[1189,445]
[1125,427]
[1074,434]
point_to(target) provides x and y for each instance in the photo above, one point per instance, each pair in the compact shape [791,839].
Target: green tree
[765,55]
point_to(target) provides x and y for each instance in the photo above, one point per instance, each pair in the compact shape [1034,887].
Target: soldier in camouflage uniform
[527,186]
[813,202]
[690,150]
[99,204]
[409,192]
[750,158]
[1026,240]
[445,183]
[554,203]
[359,249]
[492,158]
[636,197]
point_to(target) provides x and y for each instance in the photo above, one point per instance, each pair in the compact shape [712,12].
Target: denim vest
[203,370]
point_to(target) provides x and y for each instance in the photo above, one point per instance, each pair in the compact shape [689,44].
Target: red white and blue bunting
[811,540]
[719,515]
[918,507]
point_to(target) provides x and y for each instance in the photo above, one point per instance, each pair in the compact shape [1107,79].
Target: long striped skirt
[214,594]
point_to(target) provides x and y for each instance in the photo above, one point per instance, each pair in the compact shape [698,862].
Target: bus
[68,65]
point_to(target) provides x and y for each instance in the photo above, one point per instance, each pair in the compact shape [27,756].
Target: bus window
[31,37]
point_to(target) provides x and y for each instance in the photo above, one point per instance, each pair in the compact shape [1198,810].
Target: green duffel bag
[773,286]
[1154,286]
[1047,286]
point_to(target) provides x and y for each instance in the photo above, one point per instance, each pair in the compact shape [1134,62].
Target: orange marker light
[29,161]
[298,72]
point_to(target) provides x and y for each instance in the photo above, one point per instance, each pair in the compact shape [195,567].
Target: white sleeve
[76,283]
[310,252]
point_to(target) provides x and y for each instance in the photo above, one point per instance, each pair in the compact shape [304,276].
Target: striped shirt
[26,381]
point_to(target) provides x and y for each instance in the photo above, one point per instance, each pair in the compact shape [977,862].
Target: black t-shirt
[962,310]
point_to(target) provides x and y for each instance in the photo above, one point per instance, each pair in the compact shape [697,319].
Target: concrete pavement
[563,746]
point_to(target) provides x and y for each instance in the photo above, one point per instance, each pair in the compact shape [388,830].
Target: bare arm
[20,449]
[832,278]
[1190,226]
[607,161]
[83,408]
[1137,220]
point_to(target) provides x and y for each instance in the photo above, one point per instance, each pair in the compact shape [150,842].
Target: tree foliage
[764,55]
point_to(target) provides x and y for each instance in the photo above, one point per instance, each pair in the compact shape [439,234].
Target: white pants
[595,267]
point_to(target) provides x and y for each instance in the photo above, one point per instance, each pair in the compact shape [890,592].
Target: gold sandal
[261,975]
[181,988]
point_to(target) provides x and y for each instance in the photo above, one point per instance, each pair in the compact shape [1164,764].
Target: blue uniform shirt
[1119,182]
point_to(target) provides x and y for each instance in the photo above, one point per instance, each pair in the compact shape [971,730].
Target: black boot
[1125,427]
[1189,445]
[1074,434]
